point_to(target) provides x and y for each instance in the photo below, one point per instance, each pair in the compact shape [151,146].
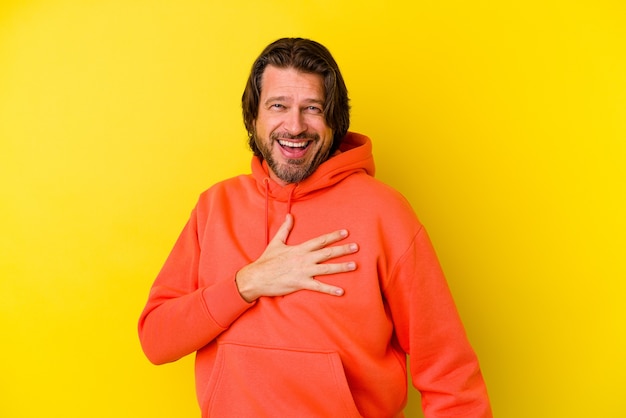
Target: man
[303,286]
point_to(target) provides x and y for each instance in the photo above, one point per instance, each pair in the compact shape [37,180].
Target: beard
[292,170]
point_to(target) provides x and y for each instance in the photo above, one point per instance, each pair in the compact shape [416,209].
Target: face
[290,129]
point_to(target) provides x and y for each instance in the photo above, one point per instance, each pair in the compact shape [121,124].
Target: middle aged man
[303,285]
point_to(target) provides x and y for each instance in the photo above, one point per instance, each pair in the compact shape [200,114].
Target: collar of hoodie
[354,156]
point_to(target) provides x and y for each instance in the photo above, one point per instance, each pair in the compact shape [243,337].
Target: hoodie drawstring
[266,181]
[293,189]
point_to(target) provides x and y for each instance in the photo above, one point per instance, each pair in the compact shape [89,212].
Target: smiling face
[290,129]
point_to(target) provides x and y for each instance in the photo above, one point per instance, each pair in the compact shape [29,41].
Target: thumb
[283,232]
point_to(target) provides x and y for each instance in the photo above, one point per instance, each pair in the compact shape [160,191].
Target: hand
[284,269]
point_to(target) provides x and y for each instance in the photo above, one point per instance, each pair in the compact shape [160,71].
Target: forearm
[444,367]
[455,387]
[173,326]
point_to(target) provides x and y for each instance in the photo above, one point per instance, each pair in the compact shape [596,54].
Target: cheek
[319,125]
[267,124]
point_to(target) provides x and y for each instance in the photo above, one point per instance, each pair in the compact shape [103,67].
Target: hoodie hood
[354,155]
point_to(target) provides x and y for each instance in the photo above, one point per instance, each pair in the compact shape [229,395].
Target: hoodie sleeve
[179,317]
[444,367]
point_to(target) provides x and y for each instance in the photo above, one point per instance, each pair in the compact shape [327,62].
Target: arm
[444,367]
[180,317]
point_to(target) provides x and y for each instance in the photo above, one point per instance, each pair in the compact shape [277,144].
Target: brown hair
[309,57]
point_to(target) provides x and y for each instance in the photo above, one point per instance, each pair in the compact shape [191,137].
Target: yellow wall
[503,122]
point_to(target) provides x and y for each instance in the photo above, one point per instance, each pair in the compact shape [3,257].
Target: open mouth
[285,143]
[294,148]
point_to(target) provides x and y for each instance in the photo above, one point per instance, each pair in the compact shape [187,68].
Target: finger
[317,286]
[325,240]
[328,253]
[332,268]
[283,231]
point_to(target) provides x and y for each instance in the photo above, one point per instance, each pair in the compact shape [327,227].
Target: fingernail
[354,247]
[338,292]
[343,233]
[352,265]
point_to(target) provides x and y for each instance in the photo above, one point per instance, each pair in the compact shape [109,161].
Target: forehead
[292,83]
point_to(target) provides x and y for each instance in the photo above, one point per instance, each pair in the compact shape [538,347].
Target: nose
[294,122]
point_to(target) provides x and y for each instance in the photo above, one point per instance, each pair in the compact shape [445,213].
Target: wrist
[245,290]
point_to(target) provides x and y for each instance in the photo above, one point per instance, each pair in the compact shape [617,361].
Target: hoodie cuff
[224,303]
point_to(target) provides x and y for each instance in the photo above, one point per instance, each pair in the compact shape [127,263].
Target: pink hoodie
[309,354]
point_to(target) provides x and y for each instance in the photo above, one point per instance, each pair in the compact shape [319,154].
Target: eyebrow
[287,99]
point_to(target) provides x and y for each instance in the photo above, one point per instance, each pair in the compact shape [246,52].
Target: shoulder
[235,184]
[222,192]
[379,196]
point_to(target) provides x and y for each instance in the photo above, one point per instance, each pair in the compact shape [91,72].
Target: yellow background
[504,123]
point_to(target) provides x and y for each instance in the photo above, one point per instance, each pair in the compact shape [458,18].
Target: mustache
[304,135]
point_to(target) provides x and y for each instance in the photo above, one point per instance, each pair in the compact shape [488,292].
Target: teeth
[290,144]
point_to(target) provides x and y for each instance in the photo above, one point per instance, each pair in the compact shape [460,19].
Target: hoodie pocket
[252,381]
